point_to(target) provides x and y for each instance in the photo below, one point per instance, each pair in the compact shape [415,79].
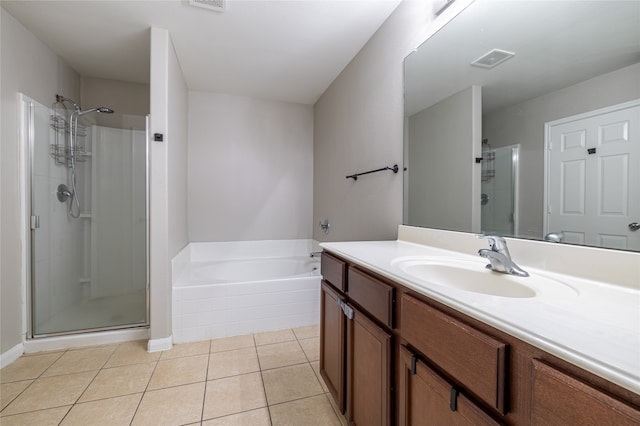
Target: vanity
[417,331]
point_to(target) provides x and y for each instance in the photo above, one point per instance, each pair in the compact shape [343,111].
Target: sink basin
[474,277]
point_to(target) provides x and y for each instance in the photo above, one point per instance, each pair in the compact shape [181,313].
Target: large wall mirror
[522,118]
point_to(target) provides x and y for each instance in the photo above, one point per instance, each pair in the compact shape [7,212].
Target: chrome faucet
[498,255]
[315,253]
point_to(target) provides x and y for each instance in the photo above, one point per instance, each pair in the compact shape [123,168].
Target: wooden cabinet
[332,343]
[391,355]
[475,360]
[426,398]
[560,399]
[334,271]
[369,372]
[356,343]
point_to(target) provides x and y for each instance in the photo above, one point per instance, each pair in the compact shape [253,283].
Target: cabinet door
[368,371]
[332,343]
[427,399]
[559,399]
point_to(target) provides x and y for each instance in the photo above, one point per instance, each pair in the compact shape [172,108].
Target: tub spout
[315,253]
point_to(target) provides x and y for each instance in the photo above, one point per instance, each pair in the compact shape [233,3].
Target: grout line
[144,392]
[264,388]
[40,409]
[206,381]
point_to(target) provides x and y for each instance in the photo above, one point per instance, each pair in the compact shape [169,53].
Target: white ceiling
[556,44]
[271,49]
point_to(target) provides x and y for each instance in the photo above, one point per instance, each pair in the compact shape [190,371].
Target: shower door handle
[35,222]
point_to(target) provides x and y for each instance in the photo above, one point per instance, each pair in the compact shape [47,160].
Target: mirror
[539,139]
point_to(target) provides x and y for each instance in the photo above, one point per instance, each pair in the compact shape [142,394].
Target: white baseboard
[11,355]
[157,345]
[57,343]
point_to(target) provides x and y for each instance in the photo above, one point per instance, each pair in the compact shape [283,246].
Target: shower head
[103,110]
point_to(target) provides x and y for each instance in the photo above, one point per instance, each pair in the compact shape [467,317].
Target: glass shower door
[499,174]
[87,272]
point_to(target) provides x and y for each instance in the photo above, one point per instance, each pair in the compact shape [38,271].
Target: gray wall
[250,168]
[30,67]
[441,143]
[168,180]
[358,126]
[122,96]
[524,124]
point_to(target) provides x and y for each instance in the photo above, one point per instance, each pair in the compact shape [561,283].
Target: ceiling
[271,49]
[556,44]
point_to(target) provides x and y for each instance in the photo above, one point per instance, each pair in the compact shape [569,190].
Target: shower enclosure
[499,189]
[87,207]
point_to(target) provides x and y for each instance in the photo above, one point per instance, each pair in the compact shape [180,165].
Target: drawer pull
[453,398]
[414,359]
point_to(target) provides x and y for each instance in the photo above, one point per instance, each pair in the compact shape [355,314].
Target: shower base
[104,312]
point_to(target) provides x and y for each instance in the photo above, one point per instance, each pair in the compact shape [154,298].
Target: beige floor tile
[172,406]
[280,355]
[79,360]
[289,383]
[9,391]
[179,371]
[49,392]
[111,411]
[311,348]
[230,343]
[316,369]
[307,332]
[28,367]
[277,336]
[50,417]
[232,363]
[119,381]
[233,395]
[132,353]
[309,411]
[187,349]
[259,417]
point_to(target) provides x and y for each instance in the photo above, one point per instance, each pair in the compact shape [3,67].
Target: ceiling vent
[217,5]
[492,58]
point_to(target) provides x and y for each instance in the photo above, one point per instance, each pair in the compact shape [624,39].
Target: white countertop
[598,329]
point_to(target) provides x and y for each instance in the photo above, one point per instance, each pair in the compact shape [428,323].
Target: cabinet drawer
[372,295]
[424,394]
[474,359]
[559,399]
[334,271]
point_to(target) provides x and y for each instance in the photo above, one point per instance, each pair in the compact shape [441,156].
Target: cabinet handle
[414,360]
[346,309]
[453,398]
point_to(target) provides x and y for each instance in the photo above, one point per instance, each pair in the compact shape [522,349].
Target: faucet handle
[496,242]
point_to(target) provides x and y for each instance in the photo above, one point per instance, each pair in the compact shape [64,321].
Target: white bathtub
[228,289]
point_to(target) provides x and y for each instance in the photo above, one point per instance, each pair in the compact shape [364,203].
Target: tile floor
[258,379]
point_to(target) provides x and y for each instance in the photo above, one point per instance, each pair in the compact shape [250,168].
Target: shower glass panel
[498,199]
[87,272]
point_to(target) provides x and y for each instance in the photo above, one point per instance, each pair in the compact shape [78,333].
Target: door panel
[593,188]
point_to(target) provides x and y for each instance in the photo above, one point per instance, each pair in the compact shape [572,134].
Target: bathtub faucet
[315,253]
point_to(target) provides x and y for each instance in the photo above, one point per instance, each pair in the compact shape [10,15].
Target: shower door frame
[26,138]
